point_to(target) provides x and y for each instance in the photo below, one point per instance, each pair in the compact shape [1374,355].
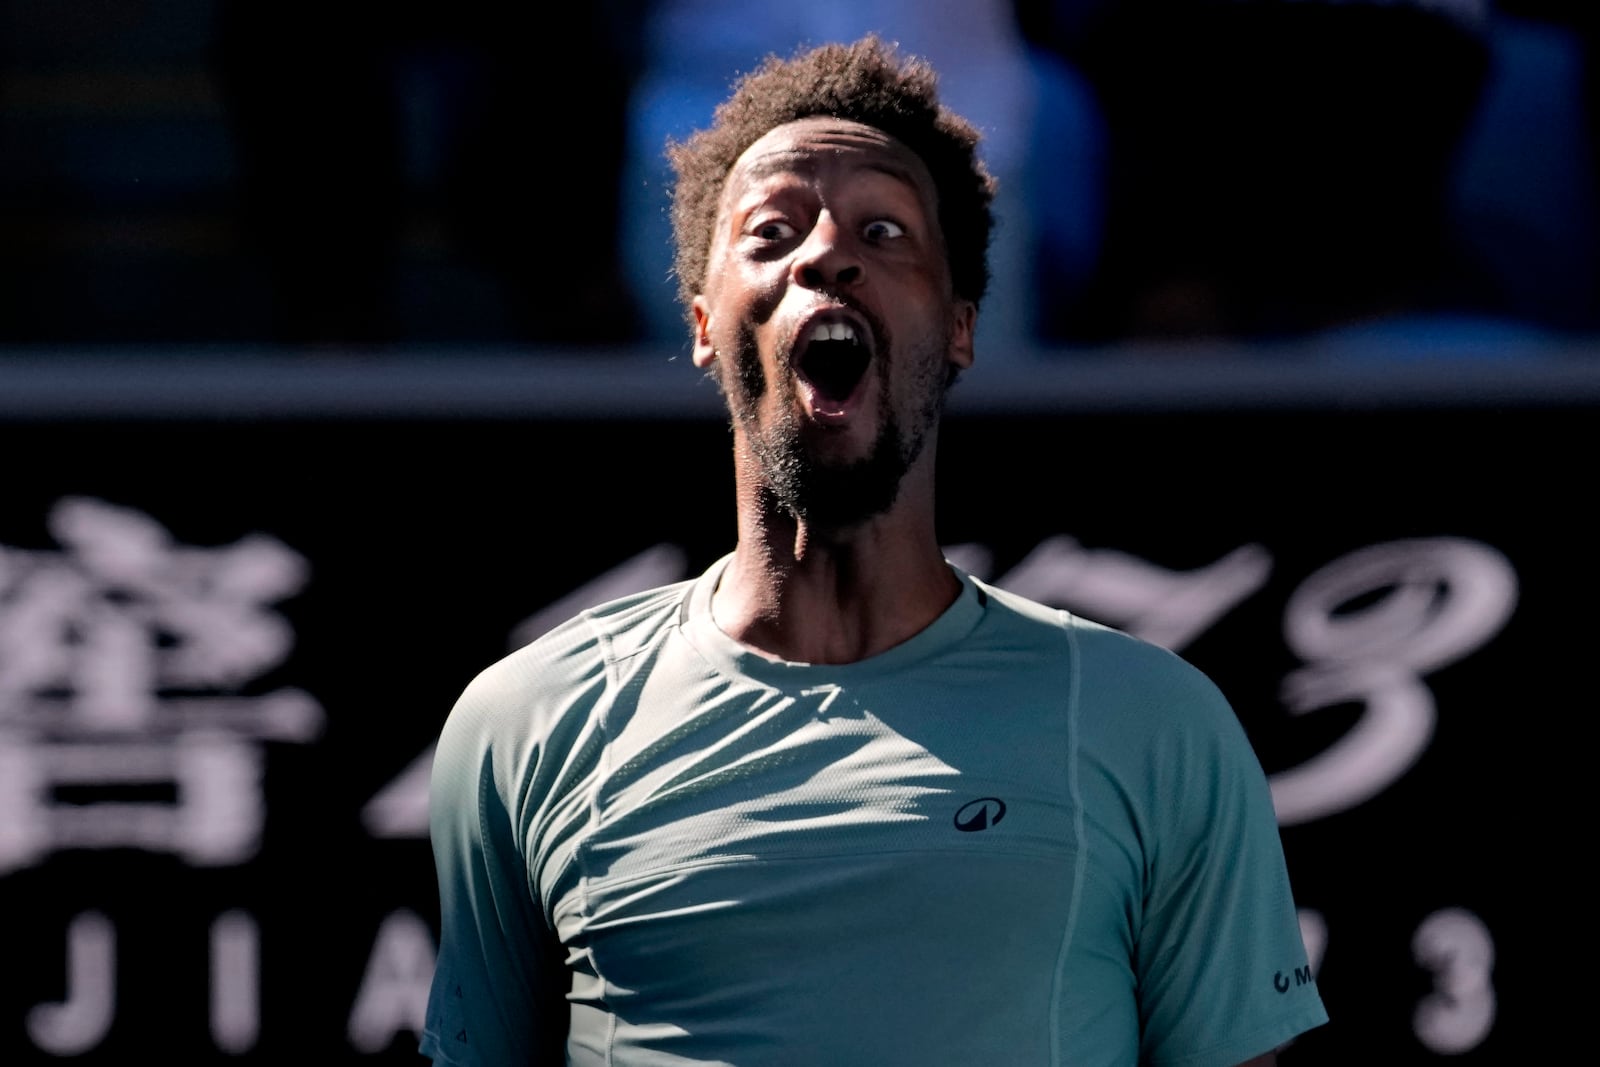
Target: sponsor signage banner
[226,647]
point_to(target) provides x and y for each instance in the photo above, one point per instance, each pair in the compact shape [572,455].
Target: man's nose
[828,258]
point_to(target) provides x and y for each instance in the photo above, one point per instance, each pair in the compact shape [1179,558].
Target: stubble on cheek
[749,377]
[737,374]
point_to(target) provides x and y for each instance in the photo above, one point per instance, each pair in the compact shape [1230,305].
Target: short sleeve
[1222,968]
[498,993]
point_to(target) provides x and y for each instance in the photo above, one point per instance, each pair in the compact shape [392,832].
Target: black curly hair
[866,81]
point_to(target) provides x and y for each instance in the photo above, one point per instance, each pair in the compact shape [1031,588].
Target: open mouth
[833,363]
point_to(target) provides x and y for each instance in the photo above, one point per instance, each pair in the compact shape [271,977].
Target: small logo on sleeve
[980,814]
[1302,976]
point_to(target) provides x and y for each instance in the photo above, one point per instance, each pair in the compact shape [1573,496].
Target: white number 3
[1455,945]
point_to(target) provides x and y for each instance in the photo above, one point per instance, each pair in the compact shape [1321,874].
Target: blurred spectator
[490,172]
[433,173]
[1526,199]
[1275,167]
[1033,114]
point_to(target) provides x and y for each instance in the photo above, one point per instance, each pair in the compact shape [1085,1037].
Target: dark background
[431,540]
[219,173]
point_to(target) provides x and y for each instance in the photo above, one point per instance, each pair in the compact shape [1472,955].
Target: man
[836,802]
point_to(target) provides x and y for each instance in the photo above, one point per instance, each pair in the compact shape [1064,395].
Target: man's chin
[833,478]
[839,496]
[836,455]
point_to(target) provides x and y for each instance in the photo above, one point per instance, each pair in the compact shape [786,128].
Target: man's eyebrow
[894,170]
[772,166]
[804,162]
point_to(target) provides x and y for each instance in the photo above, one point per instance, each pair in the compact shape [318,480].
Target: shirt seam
[580,852]
[1080,844]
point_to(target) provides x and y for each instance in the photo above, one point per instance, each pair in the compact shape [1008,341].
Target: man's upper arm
[499,985]
[1222,970]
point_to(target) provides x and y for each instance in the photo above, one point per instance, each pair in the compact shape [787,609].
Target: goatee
[831,495]
[834,495]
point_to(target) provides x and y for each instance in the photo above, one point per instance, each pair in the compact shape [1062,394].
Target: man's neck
[805,598]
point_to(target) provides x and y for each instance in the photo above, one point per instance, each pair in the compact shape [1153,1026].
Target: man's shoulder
[1110,664]
[619,625]
[1020,614]
[573,656]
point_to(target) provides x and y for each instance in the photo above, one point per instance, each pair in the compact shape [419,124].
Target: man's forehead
[805,145]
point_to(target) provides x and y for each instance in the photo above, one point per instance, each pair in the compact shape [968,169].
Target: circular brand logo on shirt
[980,814]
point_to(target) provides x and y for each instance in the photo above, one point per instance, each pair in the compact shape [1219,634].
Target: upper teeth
[833,331]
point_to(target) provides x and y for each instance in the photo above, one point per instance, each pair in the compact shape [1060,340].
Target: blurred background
[243,172]
[339,356]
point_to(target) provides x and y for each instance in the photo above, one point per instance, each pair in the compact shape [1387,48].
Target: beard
[833,495]
[836,494]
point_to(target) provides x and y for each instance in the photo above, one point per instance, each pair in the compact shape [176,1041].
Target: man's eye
[883,230]
[773,230]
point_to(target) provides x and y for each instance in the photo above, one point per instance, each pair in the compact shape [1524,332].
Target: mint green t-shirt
[1018,838]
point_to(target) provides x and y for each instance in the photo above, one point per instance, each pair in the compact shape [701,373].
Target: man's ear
[963,327]
[704,350]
